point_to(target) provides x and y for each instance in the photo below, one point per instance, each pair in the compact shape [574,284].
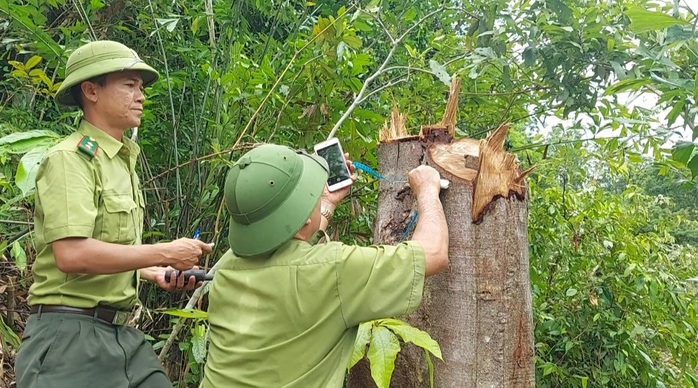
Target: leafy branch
[261,104]
[395,43]
[171,100]
[378,341]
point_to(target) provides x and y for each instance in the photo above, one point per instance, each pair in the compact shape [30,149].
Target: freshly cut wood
[498,176]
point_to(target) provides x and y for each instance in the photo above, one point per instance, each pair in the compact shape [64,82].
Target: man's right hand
[184,253]
[423,180]
[431,231]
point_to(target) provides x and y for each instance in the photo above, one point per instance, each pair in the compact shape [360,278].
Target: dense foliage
[613,198]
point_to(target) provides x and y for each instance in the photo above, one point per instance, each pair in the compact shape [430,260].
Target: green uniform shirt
[291,319]
[79,195]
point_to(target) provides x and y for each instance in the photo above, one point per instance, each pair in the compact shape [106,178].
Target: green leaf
[169,24]
[19,136]
[381,355]
[440,71]
[642,20]
[675,111]
[8,336]
[198,343]
[571,292]
[22,142]
[693,166]
[627,84]
[618,69]
[411,334]
[363,337]
[195,24]
[19,255]
[35,72]
[691,379]
[584,379]
[96,5]
[682,152]
[645,356]
[548,368]
[186,313]
[25,176]
[530,54]
[17,65]
[353,41]
[33,61]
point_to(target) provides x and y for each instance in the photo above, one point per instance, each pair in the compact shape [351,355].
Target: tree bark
[479,309]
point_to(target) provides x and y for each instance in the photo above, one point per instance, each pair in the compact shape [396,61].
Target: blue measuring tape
[368,170]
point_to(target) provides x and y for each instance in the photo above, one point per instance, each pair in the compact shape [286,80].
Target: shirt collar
[108,144]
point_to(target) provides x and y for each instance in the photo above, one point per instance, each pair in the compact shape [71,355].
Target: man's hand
[177,283]
[423,180]
[431,231]
[184,253]
[332,199]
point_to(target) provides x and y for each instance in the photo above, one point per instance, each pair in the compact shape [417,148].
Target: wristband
[326,213]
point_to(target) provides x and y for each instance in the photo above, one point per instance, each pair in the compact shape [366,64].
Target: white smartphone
[332,152]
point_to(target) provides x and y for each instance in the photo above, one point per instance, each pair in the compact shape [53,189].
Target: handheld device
[199,274]
[332,152]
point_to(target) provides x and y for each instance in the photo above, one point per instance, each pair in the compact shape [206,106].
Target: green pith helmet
[98,58]
[270,192]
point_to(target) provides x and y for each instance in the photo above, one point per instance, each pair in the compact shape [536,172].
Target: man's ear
[89,91]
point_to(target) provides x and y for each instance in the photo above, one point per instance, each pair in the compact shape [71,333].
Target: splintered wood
[498,174]
[492,171]
[448,123]
[395,129]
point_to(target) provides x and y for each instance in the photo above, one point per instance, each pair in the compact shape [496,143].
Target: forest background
[613,225]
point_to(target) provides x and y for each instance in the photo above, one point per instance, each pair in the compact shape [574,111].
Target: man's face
[120,100]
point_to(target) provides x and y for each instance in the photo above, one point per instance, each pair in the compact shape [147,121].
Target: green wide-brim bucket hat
[99,58]
[270,193]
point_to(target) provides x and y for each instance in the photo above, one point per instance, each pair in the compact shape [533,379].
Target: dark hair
[76,93]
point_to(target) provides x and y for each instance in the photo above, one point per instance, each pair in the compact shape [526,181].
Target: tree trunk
[479,309]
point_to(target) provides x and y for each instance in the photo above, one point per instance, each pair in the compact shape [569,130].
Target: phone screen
[335,160]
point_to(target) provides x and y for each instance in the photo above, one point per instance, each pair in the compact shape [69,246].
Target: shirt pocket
[119,221]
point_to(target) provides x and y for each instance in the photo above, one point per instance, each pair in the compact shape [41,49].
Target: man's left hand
[176,283]
[332,199]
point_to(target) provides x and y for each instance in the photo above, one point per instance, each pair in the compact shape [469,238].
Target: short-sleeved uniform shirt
[290,319]
[78,195]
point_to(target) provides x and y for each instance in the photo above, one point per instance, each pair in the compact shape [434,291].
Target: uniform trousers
[69,350]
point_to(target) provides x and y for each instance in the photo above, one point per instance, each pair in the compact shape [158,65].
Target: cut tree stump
[479,309]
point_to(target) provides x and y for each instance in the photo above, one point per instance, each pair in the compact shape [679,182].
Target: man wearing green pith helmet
[88,228]
[284,312]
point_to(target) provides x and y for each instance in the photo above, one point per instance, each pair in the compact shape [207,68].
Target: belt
[106,314]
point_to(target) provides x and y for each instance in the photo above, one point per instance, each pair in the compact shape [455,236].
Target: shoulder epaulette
[88,146]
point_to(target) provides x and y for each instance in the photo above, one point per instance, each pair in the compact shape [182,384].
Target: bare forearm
[87,255]
[431,232]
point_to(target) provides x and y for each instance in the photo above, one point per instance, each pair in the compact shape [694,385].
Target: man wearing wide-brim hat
[88,229]
[284,311]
